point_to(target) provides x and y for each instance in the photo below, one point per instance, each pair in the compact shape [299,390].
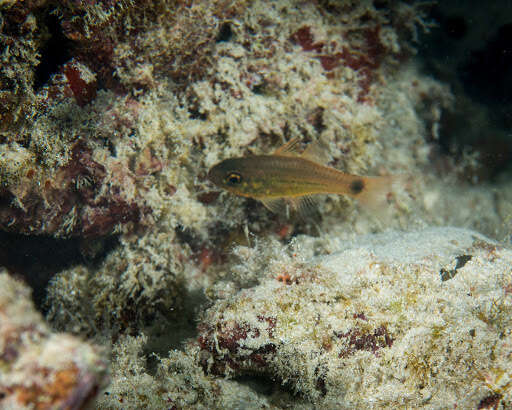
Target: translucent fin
[316,153]
[291,148]
[304,206]
[373,192]
[275,205]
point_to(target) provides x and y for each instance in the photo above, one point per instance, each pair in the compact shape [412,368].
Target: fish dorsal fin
[290,149]
[316,153]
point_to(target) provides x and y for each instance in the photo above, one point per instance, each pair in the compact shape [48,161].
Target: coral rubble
[40,369]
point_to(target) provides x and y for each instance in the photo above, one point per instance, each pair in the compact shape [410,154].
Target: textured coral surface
[414,319]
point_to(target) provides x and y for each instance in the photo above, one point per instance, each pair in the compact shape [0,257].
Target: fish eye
[233,178]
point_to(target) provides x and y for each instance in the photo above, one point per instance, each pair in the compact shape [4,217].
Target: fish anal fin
[316,153]
[291,148]
[304,205]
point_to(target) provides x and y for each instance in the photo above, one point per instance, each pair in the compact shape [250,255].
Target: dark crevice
[189,237]
[196,115]
[36,259]
[55,51]
[225,33]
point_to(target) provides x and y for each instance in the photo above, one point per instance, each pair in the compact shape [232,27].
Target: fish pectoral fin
[290,149]
[276,205]
[302,206]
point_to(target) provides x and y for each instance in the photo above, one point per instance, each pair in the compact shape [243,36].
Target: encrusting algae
[289,178]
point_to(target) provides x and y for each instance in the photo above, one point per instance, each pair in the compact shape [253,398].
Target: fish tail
[374,192]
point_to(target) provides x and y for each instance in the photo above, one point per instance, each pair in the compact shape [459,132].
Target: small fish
[289,178]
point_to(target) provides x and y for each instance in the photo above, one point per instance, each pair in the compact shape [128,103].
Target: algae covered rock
[178,383]
[418,319]
[40,369]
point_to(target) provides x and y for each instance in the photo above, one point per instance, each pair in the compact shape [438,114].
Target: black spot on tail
[357,186]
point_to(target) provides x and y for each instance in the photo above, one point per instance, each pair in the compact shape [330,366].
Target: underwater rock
[83,197]
[20,39]
[41,369]
[138,284]
[71,161]
[420,319]
[181,85]
[178,383]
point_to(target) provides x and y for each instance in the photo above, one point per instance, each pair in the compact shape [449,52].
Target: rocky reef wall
[111,115]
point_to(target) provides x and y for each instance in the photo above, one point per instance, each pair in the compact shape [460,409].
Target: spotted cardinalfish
[289,178]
